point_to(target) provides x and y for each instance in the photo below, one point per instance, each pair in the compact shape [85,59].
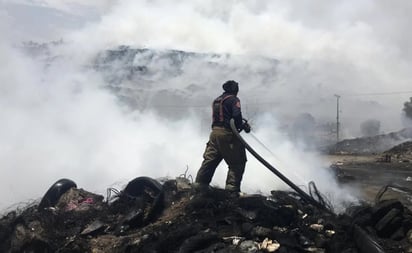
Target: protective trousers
[223,145]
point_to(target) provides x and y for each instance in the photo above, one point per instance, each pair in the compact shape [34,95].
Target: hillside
[373,144]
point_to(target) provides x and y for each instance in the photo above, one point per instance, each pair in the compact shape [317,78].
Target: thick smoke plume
[64,118]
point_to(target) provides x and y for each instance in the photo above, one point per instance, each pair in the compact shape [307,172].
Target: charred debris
[171,216]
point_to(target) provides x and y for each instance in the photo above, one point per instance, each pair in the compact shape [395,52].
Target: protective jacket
[222,144]
[225,107]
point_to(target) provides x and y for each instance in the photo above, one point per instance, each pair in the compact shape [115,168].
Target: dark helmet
[231,87]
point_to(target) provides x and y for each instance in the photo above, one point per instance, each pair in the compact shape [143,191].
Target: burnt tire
[147,190]
[142,185]
[54,193]
[198,242]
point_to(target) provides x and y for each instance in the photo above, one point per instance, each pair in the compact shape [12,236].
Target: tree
[407,108]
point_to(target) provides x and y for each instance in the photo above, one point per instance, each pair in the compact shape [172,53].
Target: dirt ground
[370,173]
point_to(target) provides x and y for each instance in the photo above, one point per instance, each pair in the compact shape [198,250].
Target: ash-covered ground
[148,216]
[173,216]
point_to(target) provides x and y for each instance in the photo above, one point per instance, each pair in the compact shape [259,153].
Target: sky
[59,122]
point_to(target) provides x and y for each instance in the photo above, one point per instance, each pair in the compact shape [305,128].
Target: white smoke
[60,121]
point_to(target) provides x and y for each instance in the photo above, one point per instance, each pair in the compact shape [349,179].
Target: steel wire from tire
[322,199]
[392,186]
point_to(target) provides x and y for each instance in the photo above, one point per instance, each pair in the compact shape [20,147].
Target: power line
[263,102]
[178,106]
[376,93]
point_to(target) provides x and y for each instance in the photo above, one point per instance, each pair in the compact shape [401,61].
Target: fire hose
[303,194]
[364,242]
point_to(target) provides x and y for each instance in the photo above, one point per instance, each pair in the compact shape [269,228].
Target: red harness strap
[221,107]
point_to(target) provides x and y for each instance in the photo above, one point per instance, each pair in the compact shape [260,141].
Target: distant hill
[373,144]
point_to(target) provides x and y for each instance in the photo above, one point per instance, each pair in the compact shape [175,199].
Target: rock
[269,245]
[93,228]
[261,231]
[316,227]
[249,247]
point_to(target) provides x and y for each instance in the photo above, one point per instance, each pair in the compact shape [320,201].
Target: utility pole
[337,117]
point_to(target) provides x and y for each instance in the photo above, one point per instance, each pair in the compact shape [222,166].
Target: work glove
[246,126]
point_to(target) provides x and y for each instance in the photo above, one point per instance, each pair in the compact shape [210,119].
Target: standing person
[223,144]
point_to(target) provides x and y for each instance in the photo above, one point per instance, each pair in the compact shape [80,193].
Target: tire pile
[147,216]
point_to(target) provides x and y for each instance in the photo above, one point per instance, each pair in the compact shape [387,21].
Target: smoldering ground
[61,121]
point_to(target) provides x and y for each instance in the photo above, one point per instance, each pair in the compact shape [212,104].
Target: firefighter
[223,144]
